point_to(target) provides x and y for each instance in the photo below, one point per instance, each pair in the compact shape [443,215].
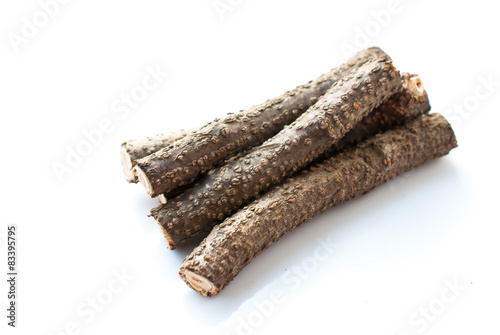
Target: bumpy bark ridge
[410,103]
[131,151]
[228,187]
[354,172]
[208,147]
[165,197]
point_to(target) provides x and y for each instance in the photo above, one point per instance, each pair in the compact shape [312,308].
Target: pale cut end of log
[162,198]
[171,243]
[143,179]
[414,85]
[127,165]
[198,283]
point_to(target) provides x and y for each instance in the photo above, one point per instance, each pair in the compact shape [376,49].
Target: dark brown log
[228,187]
[208,147]
[354,172]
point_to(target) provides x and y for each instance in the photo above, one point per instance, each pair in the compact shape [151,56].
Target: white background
[399,247]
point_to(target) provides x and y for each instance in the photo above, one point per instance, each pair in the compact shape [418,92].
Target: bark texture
[225,189]
[165,197]
[208,147]
[235,242]
[410,103]
[131,151]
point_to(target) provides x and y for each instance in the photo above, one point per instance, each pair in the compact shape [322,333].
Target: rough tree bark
[410,103]
[235,242]
[208,147]
[226,188]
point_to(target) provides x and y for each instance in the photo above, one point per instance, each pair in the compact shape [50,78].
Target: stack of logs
[247,179]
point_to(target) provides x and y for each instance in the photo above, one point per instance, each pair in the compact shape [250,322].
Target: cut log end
[415,85]
[171,243]
[162,198]
[128,165]
[198,283]
[143,179]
